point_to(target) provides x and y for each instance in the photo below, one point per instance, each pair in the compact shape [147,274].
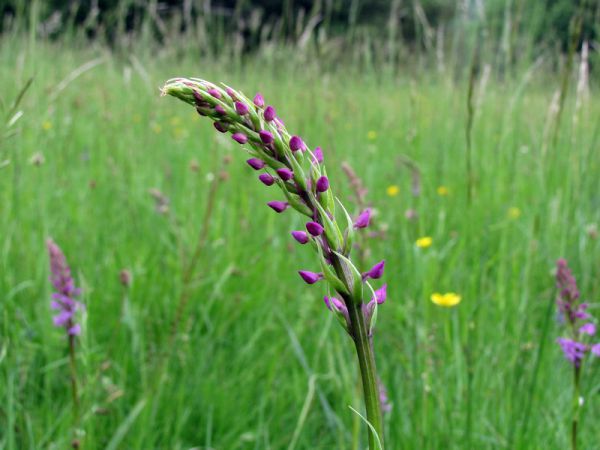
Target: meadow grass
[257,361]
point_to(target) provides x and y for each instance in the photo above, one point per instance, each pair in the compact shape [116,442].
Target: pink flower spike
[278,207]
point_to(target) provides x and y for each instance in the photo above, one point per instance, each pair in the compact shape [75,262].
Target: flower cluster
[574,314]
[286,160]
[63,299]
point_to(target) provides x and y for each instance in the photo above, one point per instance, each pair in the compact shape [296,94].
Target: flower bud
[220,110]
[241,108]
[310,277]
[296,143]
[221,126]
[259,100]
[240,138]
[318,155]
[256,163]
[278,206]
[363,219]
[266,179]
[300,236]
[265,136]
[215,93]
[381,294]
[269,113]
[322,184]
[285,173]
[314,228]
[375,272]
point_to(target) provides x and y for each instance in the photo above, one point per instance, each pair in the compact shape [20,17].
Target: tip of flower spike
[310,277]
[314,228]
[300,236]
[278,206]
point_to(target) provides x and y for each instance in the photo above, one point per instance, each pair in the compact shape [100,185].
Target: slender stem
[366,361]
[576,377]
[74,380]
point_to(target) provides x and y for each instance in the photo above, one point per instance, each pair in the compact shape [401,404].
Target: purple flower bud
[322,184]
[588,328]
[300,236]
[215,93]
[241,108]
[381,294]
[265,136]
[220,110]
[318,155]
[310,277]
[285,173]
[296,143]
[278,207]
[327,302]
[259,100]
[240,138]
[269,113]
[363,219]
[221,126]
[198,98]
[314,228]
[375,272]
[266,179]
[231,93]
[256,163]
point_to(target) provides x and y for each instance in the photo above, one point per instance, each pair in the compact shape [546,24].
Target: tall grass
[255,362]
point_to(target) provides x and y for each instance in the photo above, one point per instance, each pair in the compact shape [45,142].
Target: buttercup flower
[424,242]
[447,300]
[392,190]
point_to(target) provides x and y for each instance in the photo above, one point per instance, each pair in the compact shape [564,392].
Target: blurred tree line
[414,21]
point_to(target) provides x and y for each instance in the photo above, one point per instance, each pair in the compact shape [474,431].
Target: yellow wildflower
[424,242]
[392,190]
[46,125]
[514,212]
[372,135]
[447,300]
[443,191]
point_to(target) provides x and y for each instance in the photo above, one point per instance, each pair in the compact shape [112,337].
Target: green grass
[254,338]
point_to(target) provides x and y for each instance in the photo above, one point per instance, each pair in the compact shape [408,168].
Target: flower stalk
[287,161]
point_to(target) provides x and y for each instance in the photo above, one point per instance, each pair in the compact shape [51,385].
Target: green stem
[366,361]
[576,377]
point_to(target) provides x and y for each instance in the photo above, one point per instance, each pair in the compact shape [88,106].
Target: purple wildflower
[259,100]
[65,290]
[285,174]
[596,350]
[269,113]
[266,179]
[363,219]
[381,294]
[296,143]
[375,272]
[256,163]
[240,138]
[300,236]
[314,228]
[310,277]
[266,136]
[588,328]
[241,108]
[322,184]
[277,206]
